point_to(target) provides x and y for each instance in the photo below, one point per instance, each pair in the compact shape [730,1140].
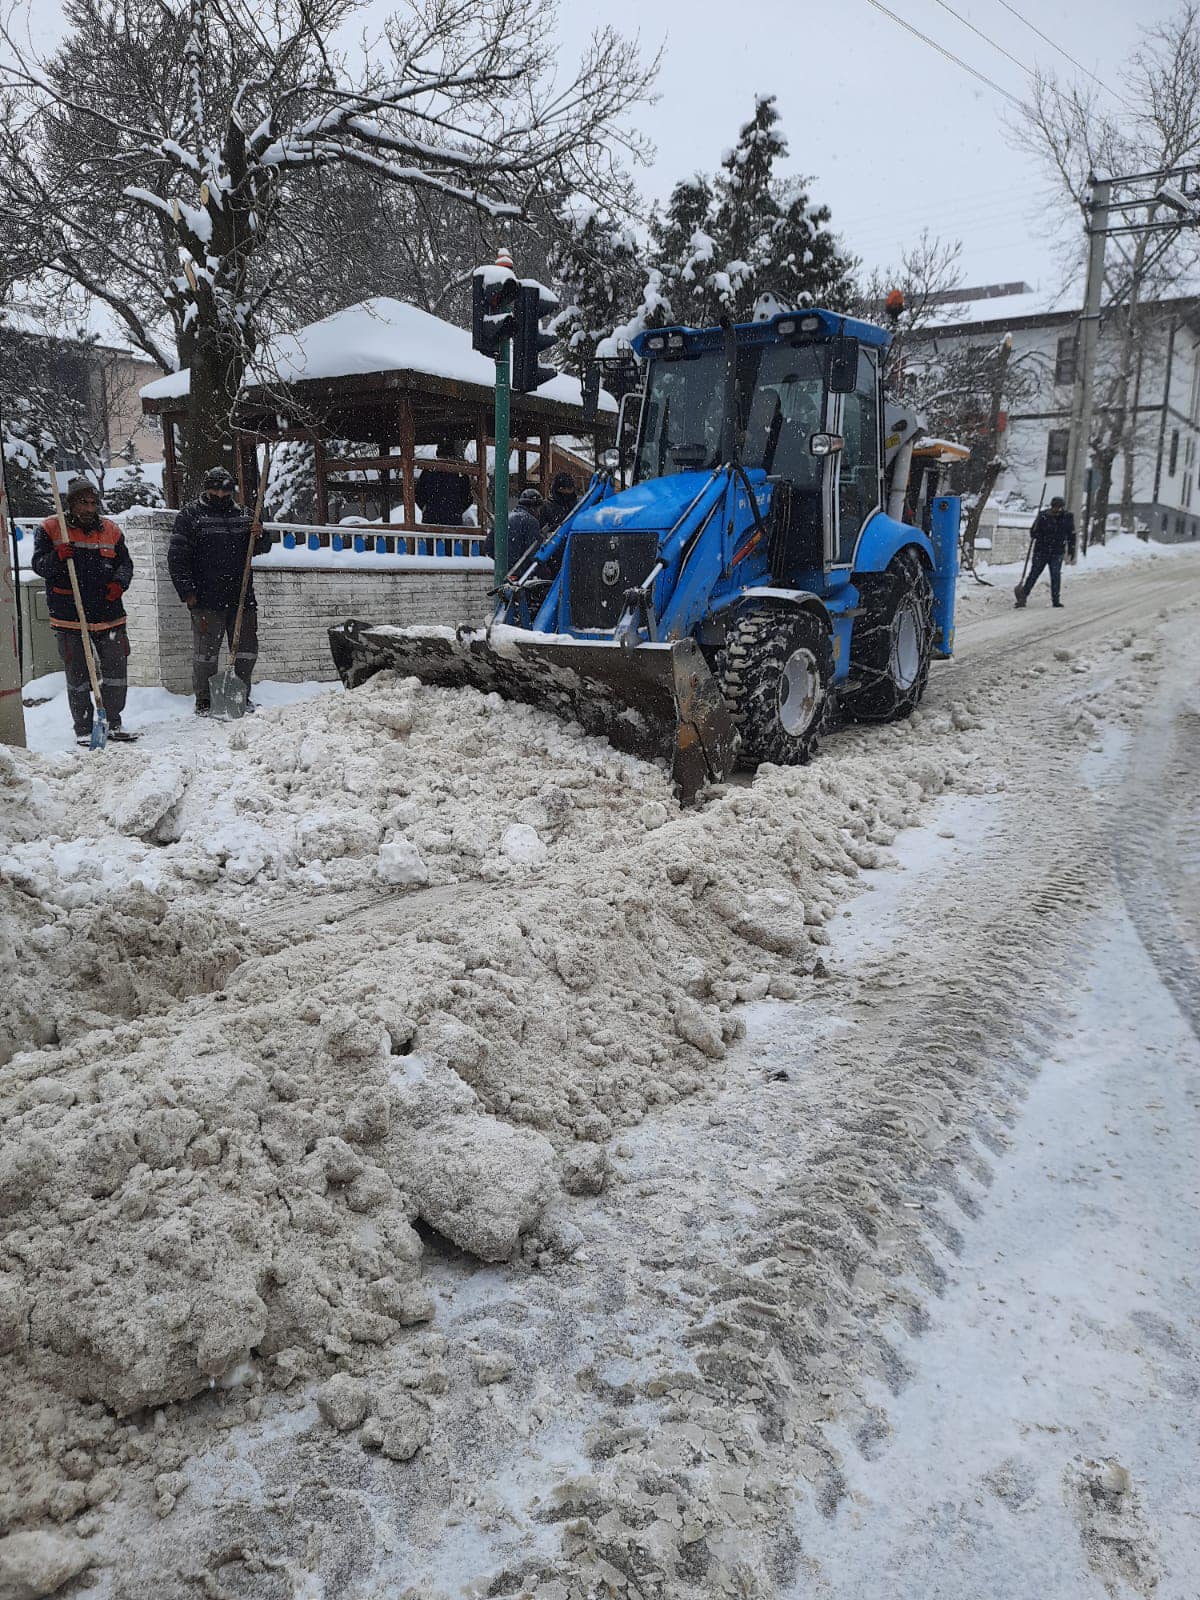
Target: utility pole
[12,714]
[1085,353]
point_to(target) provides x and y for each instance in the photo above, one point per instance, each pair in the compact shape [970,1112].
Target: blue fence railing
[428,540]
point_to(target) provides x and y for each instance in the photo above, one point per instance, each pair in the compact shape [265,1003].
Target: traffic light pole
[503,452]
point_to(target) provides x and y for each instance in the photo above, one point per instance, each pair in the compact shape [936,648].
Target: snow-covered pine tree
[768,238]
[597,270]
[683,249]
[723,242]
[132,488]
[292,487]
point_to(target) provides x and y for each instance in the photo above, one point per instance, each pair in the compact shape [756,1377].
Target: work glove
[190,601]
[113,591]
[65,552]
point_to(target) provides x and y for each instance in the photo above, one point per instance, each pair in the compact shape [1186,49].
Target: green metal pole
[502,458]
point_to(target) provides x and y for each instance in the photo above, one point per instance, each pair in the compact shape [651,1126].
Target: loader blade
[652,700]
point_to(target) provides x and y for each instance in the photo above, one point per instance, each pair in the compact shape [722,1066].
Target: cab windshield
[780,402]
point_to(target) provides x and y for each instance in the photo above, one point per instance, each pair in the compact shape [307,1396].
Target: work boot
[1057,604]
[203,709]
[117,732]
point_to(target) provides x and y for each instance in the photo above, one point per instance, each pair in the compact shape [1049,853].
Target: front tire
[774,671]
[892,644]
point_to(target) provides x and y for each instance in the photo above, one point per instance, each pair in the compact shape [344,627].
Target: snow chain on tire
[892,644]
[774,671]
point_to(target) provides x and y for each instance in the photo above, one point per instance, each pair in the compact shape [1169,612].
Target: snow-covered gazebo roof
[376,337]
[382,372]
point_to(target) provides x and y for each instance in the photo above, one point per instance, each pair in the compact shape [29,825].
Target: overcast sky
[894,136]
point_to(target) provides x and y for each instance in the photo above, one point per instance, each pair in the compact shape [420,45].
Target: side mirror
[843,366]
[824,444]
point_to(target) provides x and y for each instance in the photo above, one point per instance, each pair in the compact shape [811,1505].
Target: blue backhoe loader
[754,577]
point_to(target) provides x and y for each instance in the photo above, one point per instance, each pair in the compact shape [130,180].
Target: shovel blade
[99,738]
[228,696]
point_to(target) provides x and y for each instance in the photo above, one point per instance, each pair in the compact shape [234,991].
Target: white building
[1165,394]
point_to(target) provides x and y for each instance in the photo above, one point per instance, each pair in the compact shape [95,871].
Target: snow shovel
[99,736]
[227,693]
[1019,594]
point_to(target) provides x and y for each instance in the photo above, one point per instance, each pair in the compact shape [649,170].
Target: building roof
[1184,307]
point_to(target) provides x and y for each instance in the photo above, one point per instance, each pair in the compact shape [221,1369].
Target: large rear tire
[774,671]
[892,644]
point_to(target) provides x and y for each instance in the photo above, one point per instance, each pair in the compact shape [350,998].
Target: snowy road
[895,1294]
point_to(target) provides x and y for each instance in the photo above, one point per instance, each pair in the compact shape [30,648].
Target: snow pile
[325,796]
[84,936]
[235,1191]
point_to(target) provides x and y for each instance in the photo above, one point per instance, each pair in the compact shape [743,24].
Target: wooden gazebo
[393,382]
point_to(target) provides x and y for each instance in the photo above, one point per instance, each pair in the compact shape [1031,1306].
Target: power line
[948,54]
[987,39]
[1066,54]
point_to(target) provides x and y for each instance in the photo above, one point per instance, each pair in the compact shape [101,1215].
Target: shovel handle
[79,611]
[258,505]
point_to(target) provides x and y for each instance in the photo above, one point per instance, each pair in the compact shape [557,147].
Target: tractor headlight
[610,460]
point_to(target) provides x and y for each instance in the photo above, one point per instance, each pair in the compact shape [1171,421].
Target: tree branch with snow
[184,135]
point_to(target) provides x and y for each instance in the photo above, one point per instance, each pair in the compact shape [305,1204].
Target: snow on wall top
[378,335]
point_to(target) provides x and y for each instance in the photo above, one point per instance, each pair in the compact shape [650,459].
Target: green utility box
[40,651]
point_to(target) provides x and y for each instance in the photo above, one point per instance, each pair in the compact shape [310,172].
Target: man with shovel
[207,560]
[1051,537]
[87,567]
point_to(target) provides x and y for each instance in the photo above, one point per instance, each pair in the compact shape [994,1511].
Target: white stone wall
[295,610]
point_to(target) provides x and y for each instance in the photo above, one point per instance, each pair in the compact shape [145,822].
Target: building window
[1064,360]
[1174,461]
[1056,451]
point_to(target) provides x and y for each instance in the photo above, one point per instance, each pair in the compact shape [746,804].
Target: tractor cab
[794,399]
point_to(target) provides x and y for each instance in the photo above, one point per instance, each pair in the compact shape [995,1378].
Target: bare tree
[160,158]
[912,299]
[1069,128]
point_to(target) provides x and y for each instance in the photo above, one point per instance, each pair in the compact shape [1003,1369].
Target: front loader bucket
[653,700]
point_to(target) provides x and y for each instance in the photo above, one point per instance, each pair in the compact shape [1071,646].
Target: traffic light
[493,296]
[533,303]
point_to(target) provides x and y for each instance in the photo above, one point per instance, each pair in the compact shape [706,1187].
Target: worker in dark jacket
[1053,535]
[524,529]
[206,558]
[104,570]
[444,496]
[564,497]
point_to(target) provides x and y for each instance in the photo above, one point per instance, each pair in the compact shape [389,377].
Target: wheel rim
[799,692]
[908,639]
